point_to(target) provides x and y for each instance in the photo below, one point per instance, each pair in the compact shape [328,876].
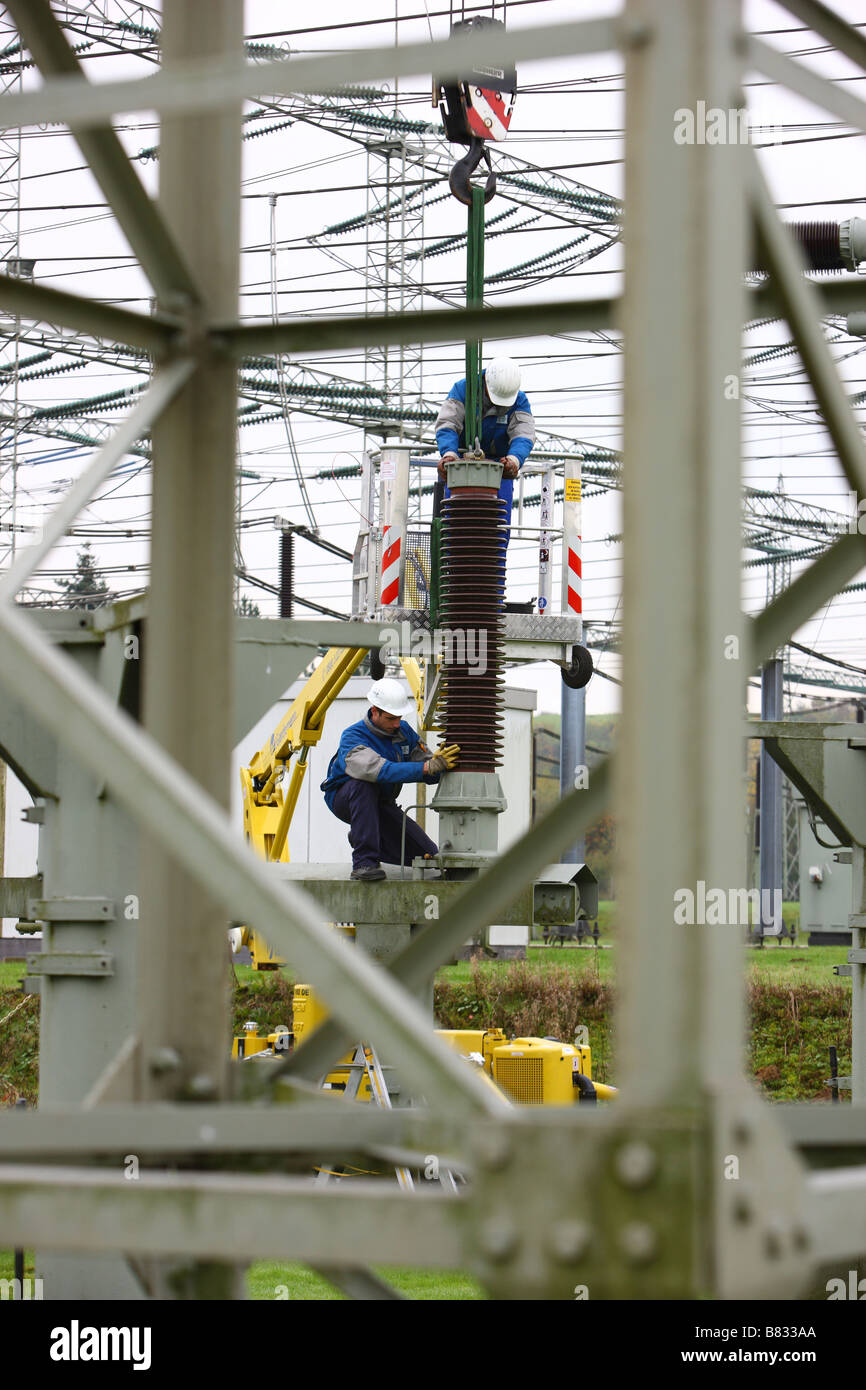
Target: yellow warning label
[572,489]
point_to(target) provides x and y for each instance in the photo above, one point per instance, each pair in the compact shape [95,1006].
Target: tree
[247,609]
[86,588]
[600,837]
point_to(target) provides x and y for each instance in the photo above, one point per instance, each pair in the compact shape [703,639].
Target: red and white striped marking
[572,529]
[575,598]
[392,545]
[487,113]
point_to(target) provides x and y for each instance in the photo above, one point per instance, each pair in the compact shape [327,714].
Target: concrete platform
[391,901]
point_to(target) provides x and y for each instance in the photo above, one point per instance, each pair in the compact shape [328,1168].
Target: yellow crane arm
[304,720]
[268,809]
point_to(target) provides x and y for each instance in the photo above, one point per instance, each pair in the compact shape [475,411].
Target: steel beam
[198,834]
[823,1128]
[824,93]
[836,1206]
[800,307]
[315,632]
[310,1126]
[857,959]
[157,251]
[826,766]
[15,893]
[679,751]
[429,326]
[572,754]
[137,423]
[210,1216]
[207,86]
[188,674]
[840,295]
[45,305]
[809,591]
[770,806]
[824,21]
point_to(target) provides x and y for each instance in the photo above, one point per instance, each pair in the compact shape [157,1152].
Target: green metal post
[474,300]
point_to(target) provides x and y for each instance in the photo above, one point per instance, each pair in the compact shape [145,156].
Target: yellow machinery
[251,1043]
[532,1071]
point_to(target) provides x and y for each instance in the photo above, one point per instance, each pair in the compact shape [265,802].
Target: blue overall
[365,777]
[504,430]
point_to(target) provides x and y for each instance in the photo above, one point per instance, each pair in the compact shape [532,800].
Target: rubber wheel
[377,665]
[579,673]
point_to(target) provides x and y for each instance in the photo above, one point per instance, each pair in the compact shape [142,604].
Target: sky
[307,170]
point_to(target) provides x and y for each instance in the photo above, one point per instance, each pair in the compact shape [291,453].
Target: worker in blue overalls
[507,426]
[376,756]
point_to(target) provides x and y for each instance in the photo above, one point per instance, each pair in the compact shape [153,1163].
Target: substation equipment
[141,869]
[435,596]
[825,867]
[432,600]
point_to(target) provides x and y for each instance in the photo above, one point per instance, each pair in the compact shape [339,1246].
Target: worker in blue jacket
[507,426]
[376,756]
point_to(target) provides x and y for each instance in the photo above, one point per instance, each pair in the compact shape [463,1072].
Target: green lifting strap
[474,300]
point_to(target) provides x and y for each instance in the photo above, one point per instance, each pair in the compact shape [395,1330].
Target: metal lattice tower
[394,283]
[790,843]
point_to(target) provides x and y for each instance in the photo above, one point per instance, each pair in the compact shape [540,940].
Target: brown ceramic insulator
[472,578]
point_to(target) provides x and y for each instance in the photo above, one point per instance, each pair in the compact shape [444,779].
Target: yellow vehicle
[532,1071]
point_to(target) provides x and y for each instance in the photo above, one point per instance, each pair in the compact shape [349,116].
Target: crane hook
[459,178]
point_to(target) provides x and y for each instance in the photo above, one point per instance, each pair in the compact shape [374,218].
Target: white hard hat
[390,695]
[503,381]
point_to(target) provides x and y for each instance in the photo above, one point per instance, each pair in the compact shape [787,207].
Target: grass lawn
[814,965]
[297,1282]
[12,973]
[777,964]
[580,958]
[7,1264]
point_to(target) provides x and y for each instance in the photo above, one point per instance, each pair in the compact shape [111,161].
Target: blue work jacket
[371,755]
[505,429]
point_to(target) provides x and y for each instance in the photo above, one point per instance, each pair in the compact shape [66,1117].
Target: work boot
[369,873]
